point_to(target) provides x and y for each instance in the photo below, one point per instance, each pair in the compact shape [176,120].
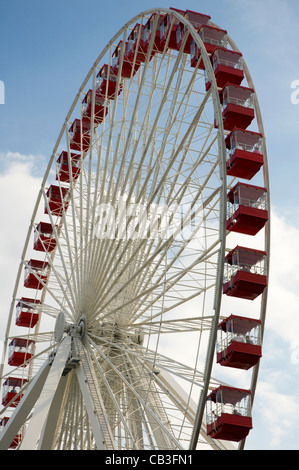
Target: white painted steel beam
[93,418]
[24,407]
[40,414]
[48,433]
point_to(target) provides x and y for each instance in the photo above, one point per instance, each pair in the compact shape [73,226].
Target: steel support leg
[92,414]
[24,407]
[48,433]
[40,414]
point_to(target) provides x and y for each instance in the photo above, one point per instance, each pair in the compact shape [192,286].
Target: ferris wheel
[116,338]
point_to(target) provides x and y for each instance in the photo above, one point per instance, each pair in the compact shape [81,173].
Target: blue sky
[47,49]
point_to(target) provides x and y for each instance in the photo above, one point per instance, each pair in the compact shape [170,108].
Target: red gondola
[56,200]
[237,106]
[158,46]
[239,342]
[135,48]
[229,414]
[120,60]
[44,239]
[212,38]
[107,83]
[168,30]
[227,66]
[79,135]
[246,273]
[26,312]
[248,211]
[19,352]
[197,20]
[11,388]
[100,107]
[245,153]
[64,171]
[35,274]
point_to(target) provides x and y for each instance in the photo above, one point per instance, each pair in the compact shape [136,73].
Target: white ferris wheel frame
[50,373]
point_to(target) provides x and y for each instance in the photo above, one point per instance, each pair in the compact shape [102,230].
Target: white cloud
[283,305]
[18,193]
[278,411]
[276,407]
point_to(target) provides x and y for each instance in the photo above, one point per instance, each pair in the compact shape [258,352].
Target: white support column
[92,414]
[23,409]
[154,408]
[48,433]
[40,414]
